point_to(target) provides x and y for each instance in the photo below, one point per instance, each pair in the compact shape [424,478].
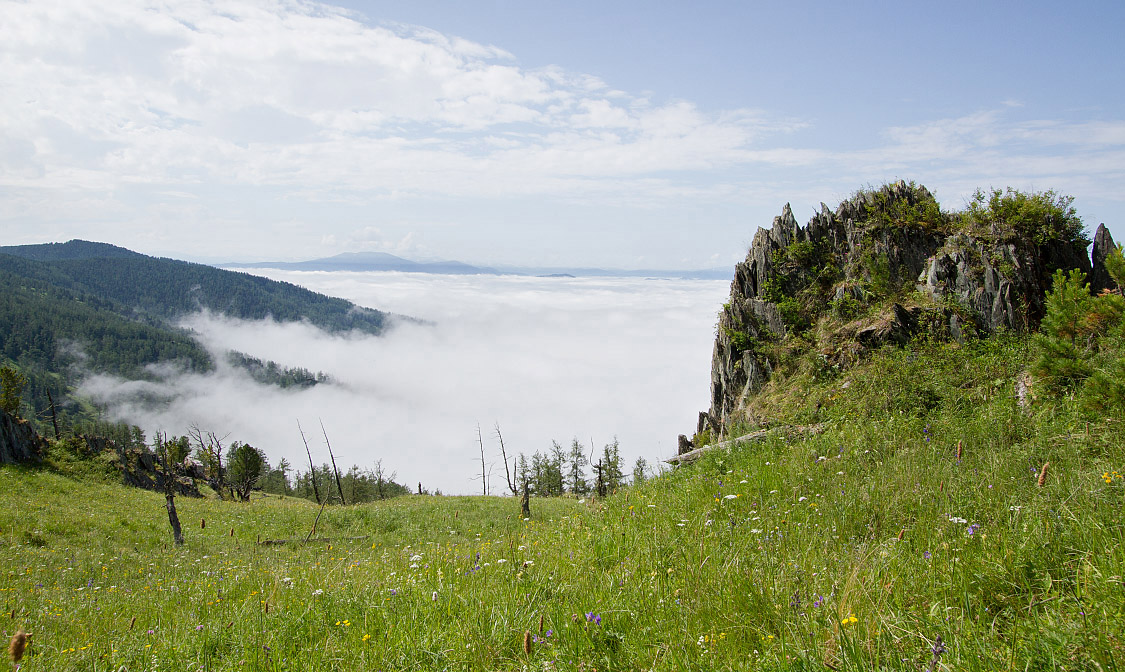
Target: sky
[631,134]
[546,359]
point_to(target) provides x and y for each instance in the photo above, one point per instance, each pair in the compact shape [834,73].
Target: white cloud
[548,358]
[257,92]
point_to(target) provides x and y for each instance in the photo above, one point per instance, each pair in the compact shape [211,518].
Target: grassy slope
[766,557]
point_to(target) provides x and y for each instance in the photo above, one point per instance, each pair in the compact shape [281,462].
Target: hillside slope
[69,308]
[924,510]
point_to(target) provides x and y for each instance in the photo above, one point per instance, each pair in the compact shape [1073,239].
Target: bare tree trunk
[504,453]
[54,416]
[312,468]
[169,493]
[525,501]
[483,473]
[313,530]
[332,457]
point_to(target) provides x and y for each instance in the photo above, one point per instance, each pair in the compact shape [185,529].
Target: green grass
[781,555]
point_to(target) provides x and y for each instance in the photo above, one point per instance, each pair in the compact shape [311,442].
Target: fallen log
[758,435]
[318,540]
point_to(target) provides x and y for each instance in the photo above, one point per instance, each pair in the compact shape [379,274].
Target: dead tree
[525,501]
[54,415]
[339,488]
[211,448]
[168,480]
[504,453]
[483,469]
[312,468]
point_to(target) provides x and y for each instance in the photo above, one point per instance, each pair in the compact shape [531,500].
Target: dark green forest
[72,308]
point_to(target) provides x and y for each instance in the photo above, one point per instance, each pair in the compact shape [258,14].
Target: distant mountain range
[381,261]
[372,261]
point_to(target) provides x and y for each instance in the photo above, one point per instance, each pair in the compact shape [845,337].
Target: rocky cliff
[884,266]
[18,441]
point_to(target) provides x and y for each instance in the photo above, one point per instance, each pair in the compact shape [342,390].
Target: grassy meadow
[854,549]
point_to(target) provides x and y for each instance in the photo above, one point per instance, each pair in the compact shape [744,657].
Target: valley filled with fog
[546,358]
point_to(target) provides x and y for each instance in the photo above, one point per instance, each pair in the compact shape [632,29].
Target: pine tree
[1065,338]
[576,476]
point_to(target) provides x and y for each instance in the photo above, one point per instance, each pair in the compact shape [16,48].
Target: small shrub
[1042,217]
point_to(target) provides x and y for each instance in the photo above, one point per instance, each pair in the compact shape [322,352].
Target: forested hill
[167,288]
[110,310]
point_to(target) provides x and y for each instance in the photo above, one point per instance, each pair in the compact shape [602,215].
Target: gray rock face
[1099,276]
[18,441]
[975,285]
[1003,285]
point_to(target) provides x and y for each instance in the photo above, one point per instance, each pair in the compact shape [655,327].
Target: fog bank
[546,358]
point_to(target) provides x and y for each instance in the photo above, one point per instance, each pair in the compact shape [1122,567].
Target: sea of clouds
[548,359]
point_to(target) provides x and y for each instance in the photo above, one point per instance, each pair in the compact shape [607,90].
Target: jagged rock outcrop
[18,441]
[960,276]
[141,468]
[1099,276]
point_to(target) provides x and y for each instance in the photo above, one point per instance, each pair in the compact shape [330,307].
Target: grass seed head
[527,642]
[1043,474]
[18,644]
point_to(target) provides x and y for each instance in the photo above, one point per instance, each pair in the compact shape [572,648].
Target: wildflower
[973,528]
[591,617]
[317,592]
[366,637]
[197,628]
[731,497]
[542,640]
[926,555]
[849,620]
[957,520]
[937,649]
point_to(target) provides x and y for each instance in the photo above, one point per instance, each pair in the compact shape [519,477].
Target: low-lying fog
[546,358]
